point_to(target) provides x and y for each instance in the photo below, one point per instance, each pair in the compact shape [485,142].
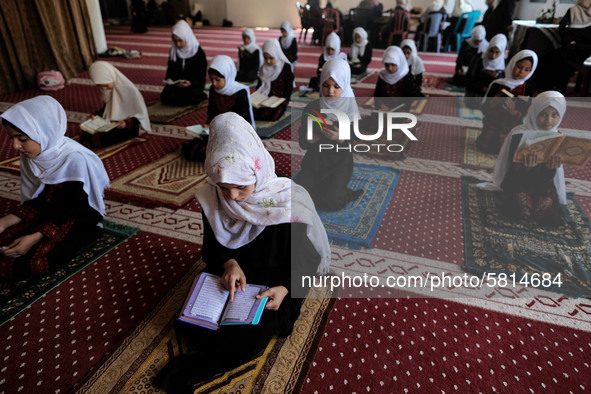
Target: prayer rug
[16,296]
[472,157]
[169,181]
[437,82]
[356,225]
[360,77]
[160,113]
[13,164]
[267,129]
[539,254]
[465,112]
[282,366]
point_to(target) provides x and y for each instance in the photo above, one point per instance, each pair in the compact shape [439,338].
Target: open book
[97,125]
[260,100]
[574,148]
[173,82]
[197,130]
[208,304]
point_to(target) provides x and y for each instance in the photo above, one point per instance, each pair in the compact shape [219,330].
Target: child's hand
[233,277]
[276,295]
[21,246]
[184,84]
[509,106]
[332,135]
[554,162]
[121,124]
[530,160]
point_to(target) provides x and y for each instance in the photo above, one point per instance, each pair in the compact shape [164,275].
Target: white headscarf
[62,159]
[394,55]
[498,63]
[461,6]
[333,41]
[286,41]
[236,155]
[252,47]
[528,130]
[340,72]
[122,102]
[183,31]
[414,61]
[358,48]
[508,80]
[225,66]
[478,34]
[268,73]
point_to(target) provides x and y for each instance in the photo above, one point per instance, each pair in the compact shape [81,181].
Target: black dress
[478,79]
[325,175]
[280,87]
[361,67]
[265,260]
[249,66]
[315,81]
[465,57]
[63,215]
[405,87]
[195,71]
[291,53]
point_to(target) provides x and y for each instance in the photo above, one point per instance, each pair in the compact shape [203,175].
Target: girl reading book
[501,111]
[395,79]
[361,51]
[325,175]
[252,220]
[332,50]
[124,104]
[289,44]
[250,57]
[485,69]
[533,190]
[187,66]
[275,79]
[470,48]
[415,63]
[62,185]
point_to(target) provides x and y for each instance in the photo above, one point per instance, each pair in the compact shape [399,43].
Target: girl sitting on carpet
[415,63]
[124,104]
[325,175]
[332,50]
[275,79]
[485,69]
[225,95]
[361,51]
[62,185]
[186,63]
[500,112]
[533,190]
[252,220]
[470,48]
[289,44]
[394,80]
[250,57]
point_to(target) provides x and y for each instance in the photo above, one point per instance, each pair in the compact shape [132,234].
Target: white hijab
[394,55]
[478,34]
[461,6]
[333,41]
[287,41]
[183,31]
[498,63]
[268,74]
[122,102]
[252,47]
[358,48]
[225,66]
[528,130]
[236,155]
[415,63]
[508,80]
[62,159]
[340,72]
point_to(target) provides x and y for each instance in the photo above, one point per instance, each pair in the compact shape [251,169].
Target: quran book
[173,82]
[574,149]
[258,100]
[97,125]
[208,304]
[197,130]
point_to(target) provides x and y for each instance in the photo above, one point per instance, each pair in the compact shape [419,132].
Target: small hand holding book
[574,149]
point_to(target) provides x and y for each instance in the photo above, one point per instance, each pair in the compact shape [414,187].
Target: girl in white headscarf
[325,175]
[415,63]
[257,228]
[187,68]
[332,50]
[62,186]
[487,68]
[501,112]
[275,79]
[533,190]
[471,47]
[289,45]
[395,79]
[361,51]
[123,104]
[250,57]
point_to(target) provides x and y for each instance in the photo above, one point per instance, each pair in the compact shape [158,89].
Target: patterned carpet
[472,156]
